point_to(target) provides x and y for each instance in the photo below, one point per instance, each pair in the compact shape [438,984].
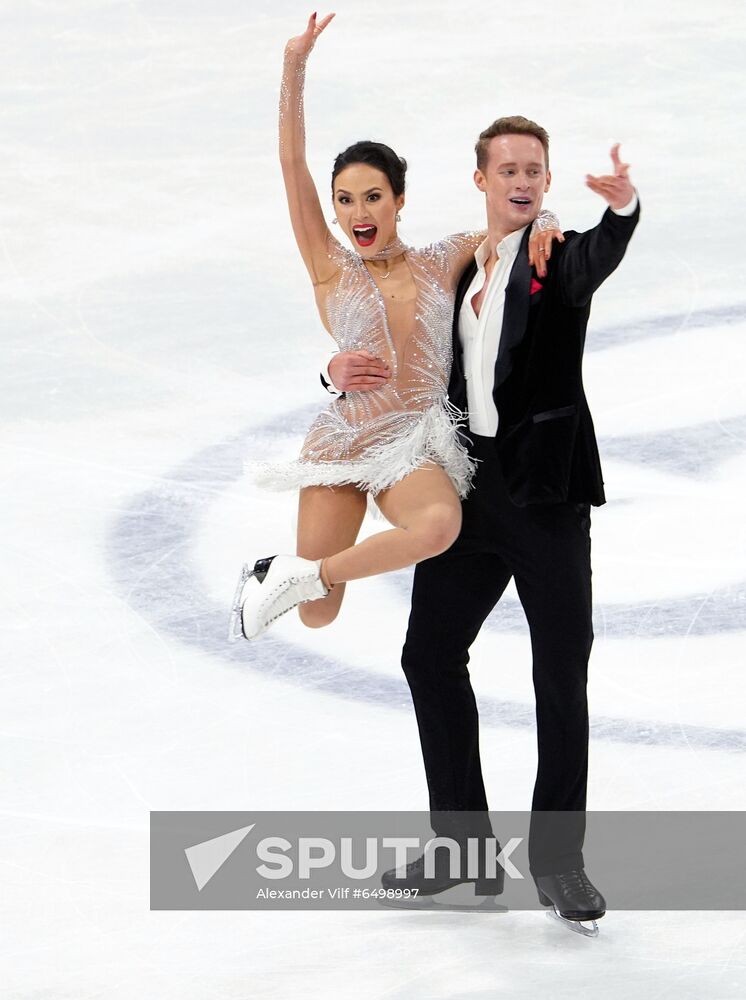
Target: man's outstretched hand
[614,188]
[358,371]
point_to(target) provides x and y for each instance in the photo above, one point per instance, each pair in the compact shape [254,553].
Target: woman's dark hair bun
[377,155]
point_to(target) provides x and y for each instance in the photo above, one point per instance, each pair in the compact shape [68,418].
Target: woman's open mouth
[365,235]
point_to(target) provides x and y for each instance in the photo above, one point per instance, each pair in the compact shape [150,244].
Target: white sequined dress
[375,438]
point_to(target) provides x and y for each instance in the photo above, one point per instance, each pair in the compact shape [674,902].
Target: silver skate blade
[235,627]
[578,926]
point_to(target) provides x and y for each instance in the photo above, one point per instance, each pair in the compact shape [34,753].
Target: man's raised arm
[590,257]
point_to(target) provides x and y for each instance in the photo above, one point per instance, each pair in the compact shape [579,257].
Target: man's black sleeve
[589,258]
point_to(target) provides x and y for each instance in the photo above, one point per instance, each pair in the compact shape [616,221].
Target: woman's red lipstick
[365,235]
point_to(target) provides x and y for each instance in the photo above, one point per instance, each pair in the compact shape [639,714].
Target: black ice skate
[574,899]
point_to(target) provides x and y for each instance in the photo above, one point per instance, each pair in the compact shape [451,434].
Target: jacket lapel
[466,279]
[467,276]
[515,314]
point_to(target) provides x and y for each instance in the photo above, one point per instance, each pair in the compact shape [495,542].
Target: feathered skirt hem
[432,438]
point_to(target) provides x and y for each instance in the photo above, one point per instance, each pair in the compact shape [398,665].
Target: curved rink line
[149,550]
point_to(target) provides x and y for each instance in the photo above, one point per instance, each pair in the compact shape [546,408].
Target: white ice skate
[275,586]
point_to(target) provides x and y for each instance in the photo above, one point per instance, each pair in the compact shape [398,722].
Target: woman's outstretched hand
[540,248]
[301,45]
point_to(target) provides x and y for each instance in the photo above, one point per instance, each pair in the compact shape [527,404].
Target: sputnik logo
[206,858]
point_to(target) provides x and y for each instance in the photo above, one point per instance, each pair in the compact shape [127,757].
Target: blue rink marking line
[645,328]
[149,552]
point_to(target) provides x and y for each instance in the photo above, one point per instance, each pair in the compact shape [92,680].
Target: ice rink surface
[158,328]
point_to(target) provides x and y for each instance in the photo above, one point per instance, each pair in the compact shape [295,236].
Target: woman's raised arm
[309,226]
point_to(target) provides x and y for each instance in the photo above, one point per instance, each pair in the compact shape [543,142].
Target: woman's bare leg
[329,520]
[426,510]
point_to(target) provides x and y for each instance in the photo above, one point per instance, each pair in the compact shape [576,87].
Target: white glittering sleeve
[545,220]
[307,218]
[451,255]
[339,254]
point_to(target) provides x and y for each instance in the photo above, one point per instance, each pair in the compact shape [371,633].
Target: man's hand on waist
[358,371]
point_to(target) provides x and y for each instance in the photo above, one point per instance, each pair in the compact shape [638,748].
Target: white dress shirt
[480,335]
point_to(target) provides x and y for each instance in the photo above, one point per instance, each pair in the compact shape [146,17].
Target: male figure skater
[518,338]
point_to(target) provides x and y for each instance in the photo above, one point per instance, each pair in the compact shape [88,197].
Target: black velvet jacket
[545,437]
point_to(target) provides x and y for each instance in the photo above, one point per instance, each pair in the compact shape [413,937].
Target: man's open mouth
[520,202]
[365,235]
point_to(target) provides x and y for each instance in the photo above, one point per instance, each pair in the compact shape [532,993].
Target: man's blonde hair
[515,125]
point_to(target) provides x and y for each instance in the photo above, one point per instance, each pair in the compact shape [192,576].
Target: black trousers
[546,549]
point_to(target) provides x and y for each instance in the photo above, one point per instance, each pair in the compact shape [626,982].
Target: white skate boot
[283,582]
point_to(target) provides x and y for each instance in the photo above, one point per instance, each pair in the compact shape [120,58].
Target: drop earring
[398,217]
[335,220]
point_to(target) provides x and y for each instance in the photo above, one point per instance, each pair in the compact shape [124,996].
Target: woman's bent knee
[440,527]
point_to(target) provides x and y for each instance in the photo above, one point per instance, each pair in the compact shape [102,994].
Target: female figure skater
[398,443]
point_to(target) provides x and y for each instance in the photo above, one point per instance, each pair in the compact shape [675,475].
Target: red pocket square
[536,286]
